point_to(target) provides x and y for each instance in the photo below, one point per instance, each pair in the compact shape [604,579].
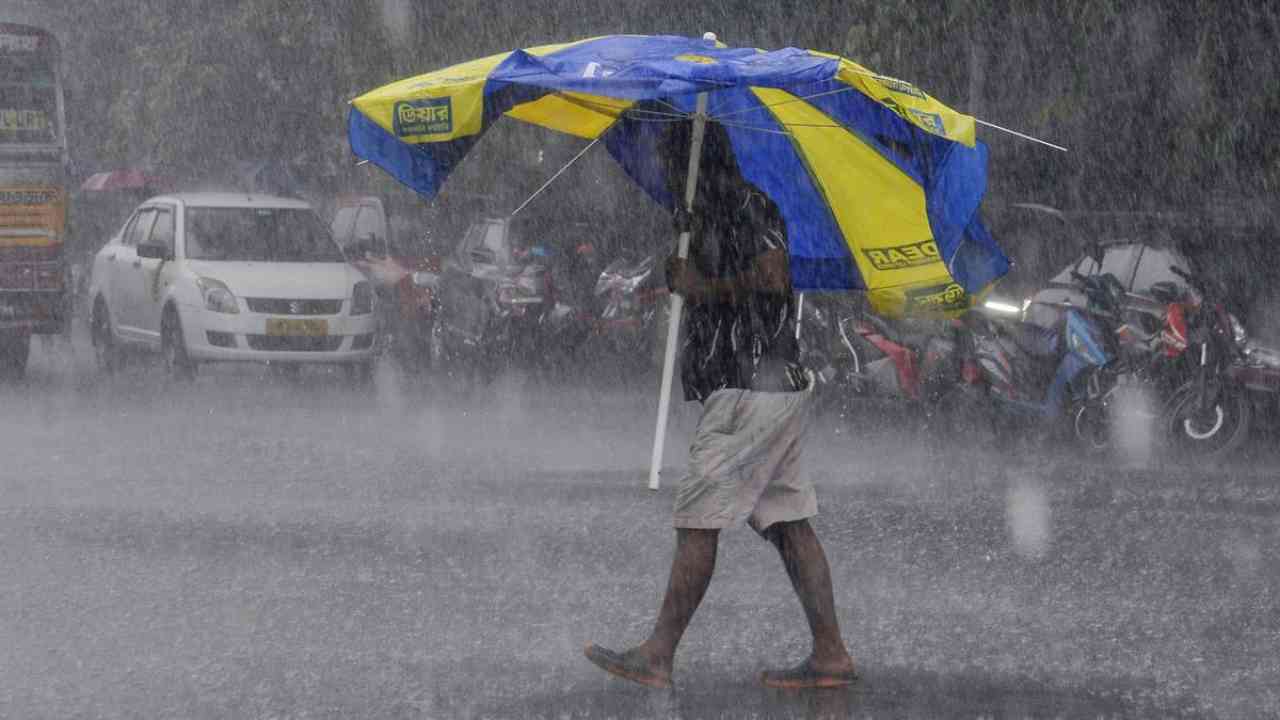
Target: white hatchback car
[205,277]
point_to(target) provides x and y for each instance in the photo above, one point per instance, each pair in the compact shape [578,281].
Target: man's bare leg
[806,565]
[691,571]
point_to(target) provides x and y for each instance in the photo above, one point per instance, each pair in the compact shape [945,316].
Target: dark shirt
[750,342]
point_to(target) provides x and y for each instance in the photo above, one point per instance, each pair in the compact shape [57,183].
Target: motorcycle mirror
[1094,249]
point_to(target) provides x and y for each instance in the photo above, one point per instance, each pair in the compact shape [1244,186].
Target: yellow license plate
[293,326]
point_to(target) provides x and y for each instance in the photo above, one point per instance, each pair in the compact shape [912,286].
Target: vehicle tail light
[970,372]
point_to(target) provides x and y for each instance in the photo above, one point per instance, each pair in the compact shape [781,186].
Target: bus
[33,192]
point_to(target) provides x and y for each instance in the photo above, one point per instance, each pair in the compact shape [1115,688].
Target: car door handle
[137,263]
[111,258]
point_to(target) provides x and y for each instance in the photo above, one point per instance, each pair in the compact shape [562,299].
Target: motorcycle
[1210,415]
[1135,389]
[1046,374]
[628,300]
[860,358]
[489,318]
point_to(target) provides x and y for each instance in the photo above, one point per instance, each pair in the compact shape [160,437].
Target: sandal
[805,676]
[629,665]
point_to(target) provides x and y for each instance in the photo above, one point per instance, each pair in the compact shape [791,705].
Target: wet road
[250,547]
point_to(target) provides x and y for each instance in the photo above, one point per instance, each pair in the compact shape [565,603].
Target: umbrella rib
[673,107]
[552,179]
[658,113]
[804,98]
[744,126]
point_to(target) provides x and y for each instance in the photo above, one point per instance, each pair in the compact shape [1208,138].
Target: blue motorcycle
[1045,374]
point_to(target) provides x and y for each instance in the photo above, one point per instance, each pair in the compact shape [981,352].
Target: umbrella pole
[677,301]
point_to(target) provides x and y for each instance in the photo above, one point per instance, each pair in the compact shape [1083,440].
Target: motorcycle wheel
[1092,430]
[1212,433]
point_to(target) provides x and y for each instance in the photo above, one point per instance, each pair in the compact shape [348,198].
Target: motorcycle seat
[1034,340]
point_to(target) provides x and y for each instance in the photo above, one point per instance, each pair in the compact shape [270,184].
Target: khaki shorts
[745,462]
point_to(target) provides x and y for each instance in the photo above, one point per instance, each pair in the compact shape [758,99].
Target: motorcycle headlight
[424,279]
[1238,331]
[217,296]
[362,298]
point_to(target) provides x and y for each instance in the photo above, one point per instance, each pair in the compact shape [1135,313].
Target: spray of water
[1028,516]
[1132,421]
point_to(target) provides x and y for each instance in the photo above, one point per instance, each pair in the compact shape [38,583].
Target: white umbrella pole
[677,302]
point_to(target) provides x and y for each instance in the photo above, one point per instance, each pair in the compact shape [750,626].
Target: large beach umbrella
[878,183]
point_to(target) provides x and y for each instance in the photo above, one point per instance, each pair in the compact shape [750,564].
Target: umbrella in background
[878,183]
[125,179]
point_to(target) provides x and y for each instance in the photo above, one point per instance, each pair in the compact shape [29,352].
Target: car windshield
[258,234]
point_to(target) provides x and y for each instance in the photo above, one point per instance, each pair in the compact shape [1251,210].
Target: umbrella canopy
[123,179]
[878,183]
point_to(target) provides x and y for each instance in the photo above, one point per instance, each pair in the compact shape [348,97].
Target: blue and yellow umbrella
[878,183]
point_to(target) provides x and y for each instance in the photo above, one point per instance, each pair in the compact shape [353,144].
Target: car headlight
[217,296]
[362,298]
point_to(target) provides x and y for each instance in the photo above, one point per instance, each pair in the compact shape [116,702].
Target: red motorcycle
[1210,415]
[862,359]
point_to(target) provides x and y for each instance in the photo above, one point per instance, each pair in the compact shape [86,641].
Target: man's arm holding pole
[768,274]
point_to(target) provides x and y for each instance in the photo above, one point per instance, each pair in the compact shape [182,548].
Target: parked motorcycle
[1029,372]
[1151,365]
[491,303]
[861,359]
[628,300]
[1210,415]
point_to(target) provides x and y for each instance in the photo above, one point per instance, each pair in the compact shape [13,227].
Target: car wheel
[106,354]
[177,364]
[15,348]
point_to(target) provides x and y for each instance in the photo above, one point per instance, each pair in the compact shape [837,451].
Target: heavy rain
[323,396]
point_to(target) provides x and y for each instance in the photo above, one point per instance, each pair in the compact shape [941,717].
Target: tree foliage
[1162,104]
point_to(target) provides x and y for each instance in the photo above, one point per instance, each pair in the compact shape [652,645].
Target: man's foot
[806,675]
[630,665]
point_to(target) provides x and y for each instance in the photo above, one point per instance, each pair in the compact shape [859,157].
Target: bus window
[28,87]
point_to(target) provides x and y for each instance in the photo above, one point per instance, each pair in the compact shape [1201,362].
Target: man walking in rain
[740,360]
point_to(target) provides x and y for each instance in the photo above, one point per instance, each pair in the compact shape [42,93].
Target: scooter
[1031,372]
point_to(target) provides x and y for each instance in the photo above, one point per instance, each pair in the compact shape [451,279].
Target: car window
[140,228]
[129,222]
[495,242]
[343,227]
[258,234]
[369,224]
[162,229]
[1153,267]
[1064,277]
[1118,260]
[483,244]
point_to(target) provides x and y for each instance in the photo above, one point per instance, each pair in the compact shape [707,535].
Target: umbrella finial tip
[709,36]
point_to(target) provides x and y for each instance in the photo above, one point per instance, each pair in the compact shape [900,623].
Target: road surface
[261,547]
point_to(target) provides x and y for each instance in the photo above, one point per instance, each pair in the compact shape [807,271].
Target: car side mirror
[155,252]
